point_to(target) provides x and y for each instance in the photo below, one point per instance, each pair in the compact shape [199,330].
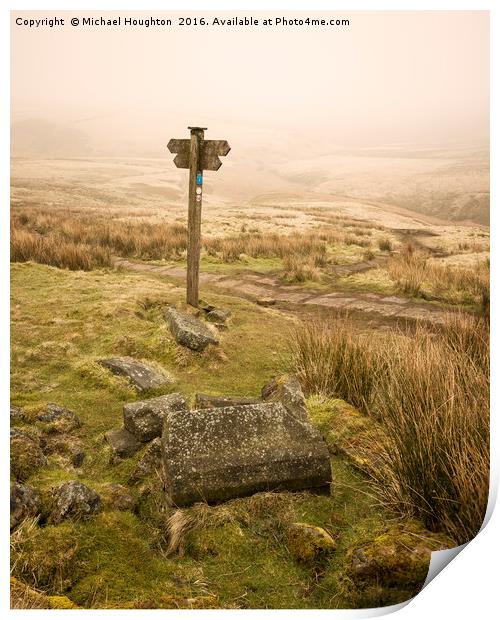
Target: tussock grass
[330,360]
[430,393]
[417,276]
[77,241]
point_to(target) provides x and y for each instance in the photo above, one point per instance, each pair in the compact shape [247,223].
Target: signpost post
[197,154]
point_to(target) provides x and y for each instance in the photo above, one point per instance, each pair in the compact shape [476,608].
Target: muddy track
[268,290]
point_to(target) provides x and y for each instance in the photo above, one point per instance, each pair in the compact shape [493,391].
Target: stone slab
[206,401]
[216,454]
[142,376]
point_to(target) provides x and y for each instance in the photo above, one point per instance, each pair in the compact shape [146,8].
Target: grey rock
[25,502]
[287,390]
[218,315]
[206,401]
[149,464]
[189,331]
[76,500]
[122,443]
[216,454]
[117,497]
[16,413]
[58,419]
[144,418]
[142,376]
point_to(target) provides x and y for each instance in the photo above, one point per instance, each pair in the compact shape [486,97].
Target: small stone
[144,418]
[142,376]
[287,390]
[123,443]
[57,419]
[266,301]
[205,306]
[218,315]
[26,455]
[189,331]
[149,464]
[117,497]
[25,502]
[206,401]
[76,500]
[309,543]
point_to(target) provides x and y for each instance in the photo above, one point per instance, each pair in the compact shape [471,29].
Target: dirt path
[268,290]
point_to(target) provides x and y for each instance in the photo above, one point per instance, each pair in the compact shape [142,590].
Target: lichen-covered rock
[122,443]
[74,500]
[217,454]
[149,464]
[26,455]
[287,390]
[141,375]
[206,401]
[57,419]
[25,502]
[309,543]
[116,497]
[67,446]
[399,557]
[218,315]
[144,419]
[189,331]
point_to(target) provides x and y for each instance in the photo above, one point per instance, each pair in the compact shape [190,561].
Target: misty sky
[389,78]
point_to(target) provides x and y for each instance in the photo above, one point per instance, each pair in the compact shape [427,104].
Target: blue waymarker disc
[199,178]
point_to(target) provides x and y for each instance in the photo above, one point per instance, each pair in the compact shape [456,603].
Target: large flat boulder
[189,331]
[142,376]
[144,418]
[216,454]
[207,401]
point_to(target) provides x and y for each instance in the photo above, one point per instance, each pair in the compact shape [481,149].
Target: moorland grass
[429,390]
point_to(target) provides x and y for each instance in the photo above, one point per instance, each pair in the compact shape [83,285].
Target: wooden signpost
[198,155]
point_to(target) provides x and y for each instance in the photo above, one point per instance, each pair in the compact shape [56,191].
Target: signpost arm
[194,218]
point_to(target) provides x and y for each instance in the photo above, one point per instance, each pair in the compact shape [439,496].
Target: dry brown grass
[330,359]
[79,241]
[76,240]
[430,392]
[416,276]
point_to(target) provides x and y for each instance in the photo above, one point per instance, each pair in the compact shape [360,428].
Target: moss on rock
[309,543]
